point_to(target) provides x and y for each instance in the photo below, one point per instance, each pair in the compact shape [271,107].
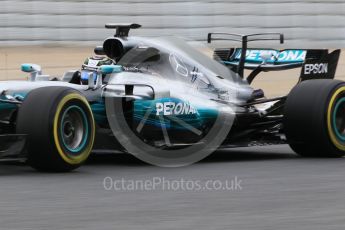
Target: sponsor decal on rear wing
[270,56]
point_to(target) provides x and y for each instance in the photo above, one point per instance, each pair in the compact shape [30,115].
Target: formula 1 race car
[171,105]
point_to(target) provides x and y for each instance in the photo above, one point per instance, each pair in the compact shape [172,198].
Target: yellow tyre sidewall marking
[332,136]
[84,155]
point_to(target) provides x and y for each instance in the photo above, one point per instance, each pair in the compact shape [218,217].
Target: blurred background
[308,22]
[60,34]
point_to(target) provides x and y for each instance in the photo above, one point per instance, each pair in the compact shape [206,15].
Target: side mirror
[108,69]
[33,69]
[144,86]
[29,68]
[102,70]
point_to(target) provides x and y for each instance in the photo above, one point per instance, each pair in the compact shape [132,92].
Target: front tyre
[60,128]
[314,118]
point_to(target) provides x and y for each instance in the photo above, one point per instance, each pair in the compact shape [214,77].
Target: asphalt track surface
[278,191]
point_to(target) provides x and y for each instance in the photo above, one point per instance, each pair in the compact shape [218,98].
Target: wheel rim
[339,119]
[74,129]
[336,109]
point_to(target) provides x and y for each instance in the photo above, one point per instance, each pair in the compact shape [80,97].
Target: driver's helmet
[91,64]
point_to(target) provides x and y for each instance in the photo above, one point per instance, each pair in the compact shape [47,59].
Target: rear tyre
[314,118]
[60,128]
[303,150]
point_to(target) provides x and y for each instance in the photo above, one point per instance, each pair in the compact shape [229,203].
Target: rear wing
[315,63]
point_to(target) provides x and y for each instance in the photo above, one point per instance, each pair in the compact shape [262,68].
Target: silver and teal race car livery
[169,104]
